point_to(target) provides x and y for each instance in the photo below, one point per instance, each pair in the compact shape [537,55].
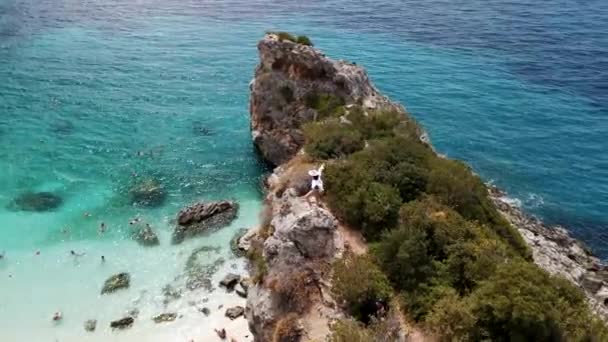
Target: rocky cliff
[289,77]
[297,240]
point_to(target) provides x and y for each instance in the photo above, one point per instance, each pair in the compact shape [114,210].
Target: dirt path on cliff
[353,239]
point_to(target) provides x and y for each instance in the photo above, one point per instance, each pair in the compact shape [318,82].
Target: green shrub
[331,140]
[326,105]
[259,265]
[454,183]
[285,36]
[304,40]
[349,331]
[520,302]
[358,282]
[451,318]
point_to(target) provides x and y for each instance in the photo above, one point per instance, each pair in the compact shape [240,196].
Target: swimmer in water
[57,316]
[103,259]
[76,254]
[37,252]
[2,255]
[102,228]
[86,214]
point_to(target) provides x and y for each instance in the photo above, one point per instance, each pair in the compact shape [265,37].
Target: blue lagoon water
[95,95]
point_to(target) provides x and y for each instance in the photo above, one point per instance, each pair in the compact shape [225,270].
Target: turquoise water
[95,96]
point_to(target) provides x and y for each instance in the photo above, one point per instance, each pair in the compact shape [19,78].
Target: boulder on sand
[204,217]
[116,282]
[235,312]
[36,201]
[230,281]
[122,323]
[148,192]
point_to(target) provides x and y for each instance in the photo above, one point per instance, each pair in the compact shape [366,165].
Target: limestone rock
[90,325]
[37,201]
[235,312]
[122,323]
[288,76]
[165,317]
[148,192]
[234,242]
[244,242]
[554,250]
[305,237]
[204,217]
[230,281]
[116,282]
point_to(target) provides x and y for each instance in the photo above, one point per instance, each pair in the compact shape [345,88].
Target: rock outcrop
[302,243]
[289,77]
[557,252]
[145,236]
[292,249]
[204,217]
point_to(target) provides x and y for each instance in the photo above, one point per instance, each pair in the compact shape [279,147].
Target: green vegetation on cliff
[453,260]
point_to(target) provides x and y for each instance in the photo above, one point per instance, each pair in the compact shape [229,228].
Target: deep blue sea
[95,95]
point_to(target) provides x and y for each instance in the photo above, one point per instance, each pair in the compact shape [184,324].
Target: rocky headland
[292,250]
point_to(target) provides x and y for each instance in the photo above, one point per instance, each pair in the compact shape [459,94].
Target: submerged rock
[204,217]
[37,201]
[122,323]
[116,282]
[198,128]
[146,236]
[165,317]
[199,270]
[90,325]
[148,192]
[235,312]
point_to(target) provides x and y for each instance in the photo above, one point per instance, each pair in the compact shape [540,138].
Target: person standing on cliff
[316,184]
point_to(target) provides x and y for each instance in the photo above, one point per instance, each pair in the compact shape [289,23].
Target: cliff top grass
[461,269]
[286,36]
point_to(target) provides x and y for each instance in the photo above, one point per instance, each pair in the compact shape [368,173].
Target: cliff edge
[293,249]
[291,82]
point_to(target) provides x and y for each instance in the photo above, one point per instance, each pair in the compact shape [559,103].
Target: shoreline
[557,252]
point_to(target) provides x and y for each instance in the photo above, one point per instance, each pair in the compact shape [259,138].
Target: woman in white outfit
[316,184]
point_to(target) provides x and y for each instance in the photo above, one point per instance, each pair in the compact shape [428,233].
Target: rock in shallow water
[146,236]
[204,217]
[230,281]
[37,201]
[90,325]
[235,312]
[122,323]
[165,317]
[116,282]
[148,192]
